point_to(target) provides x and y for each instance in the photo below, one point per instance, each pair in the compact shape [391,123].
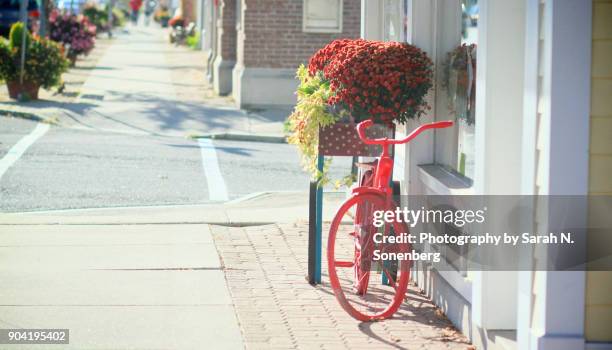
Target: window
[394,20]
[456,83]
[322,16]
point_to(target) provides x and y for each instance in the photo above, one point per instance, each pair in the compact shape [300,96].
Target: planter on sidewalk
[72,59]
[43,66]
[76,33]
[25,90]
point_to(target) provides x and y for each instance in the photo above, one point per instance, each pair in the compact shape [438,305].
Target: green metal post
[319,224]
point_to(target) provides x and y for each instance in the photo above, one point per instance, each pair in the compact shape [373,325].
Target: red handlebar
[361,127]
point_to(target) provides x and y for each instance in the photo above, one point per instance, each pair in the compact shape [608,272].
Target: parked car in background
[9,14]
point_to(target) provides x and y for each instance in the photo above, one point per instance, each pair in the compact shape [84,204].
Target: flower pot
[342,139]
[28,90]
[164,22]
[72,60]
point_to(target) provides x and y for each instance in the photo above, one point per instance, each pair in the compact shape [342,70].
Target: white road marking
[20,147]
[217,190]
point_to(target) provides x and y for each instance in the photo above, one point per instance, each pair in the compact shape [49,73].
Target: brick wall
[189,10]
[272,35]
[227,29]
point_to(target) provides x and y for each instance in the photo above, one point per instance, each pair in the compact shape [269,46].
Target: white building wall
[551,308]
[526,111]
[476,302]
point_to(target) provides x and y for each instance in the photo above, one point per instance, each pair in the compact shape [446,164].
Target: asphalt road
[135,151]
[68,168]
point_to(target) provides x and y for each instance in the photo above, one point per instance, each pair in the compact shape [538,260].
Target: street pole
[110,18]
[42,31]
[23,13]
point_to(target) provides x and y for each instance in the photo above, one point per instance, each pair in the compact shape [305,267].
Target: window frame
[317,28]
[446,142]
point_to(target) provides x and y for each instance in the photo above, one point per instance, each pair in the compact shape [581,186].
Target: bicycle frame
[383,170]
[367,197]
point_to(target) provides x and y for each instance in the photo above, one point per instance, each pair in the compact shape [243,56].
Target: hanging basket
[27,89]
[342,139]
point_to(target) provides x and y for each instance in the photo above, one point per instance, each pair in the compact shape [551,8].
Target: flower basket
[18,90]
[355,80]
[342,139]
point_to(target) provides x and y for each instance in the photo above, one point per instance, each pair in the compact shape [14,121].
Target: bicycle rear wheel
[355,268]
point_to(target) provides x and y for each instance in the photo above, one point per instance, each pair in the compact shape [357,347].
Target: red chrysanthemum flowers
[384,81]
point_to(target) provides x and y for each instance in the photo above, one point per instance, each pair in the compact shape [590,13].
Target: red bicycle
[368,286]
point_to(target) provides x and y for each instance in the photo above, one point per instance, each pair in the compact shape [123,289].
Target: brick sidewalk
[265,268]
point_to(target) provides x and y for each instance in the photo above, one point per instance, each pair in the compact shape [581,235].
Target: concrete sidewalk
[190,277]
[52,104]
[117,286]
[143,85]
[129,278]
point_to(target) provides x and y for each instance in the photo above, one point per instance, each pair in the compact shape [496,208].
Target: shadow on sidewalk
[172,114]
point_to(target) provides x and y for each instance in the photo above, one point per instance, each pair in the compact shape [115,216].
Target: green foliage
[99,17]
[6,56]
[16,35]
[193,40]
[44,61]
[311,113]
[96,16]
[118,17]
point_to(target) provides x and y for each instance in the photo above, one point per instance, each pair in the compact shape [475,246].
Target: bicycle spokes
[367,287]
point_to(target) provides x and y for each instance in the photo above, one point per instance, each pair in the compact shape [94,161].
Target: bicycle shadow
[416,308]
[417,311]
[366,328]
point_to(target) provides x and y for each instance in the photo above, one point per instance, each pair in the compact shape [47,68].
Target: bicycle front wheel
[368,277]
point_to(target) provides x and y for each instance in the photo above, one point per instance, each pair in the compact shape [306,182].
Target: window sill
[442,181]
[439,180]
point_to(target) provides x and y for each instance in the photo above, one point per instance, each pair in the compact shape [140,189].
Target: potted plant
[44,63]
[162,16]
[97,16]
[351,80]
[75,33]
[119,16]
[459,81]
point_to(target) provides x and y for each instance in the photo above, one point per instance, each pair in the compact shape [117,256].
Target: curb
[28,116]
[212,223]
[219,136]
[243,137]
